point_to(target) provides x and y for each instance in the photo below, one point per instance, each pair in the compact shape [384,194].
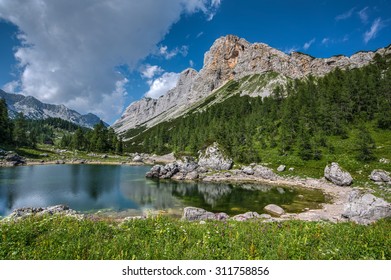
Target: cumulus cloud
[150,71]
[11,87]
[375,28]
[70,48]
[167,54]
[345,15]
[161,85]
[308,44]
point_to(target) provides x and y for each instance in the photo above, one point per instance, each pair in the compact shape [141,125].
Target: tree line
[297,118]
[22,132]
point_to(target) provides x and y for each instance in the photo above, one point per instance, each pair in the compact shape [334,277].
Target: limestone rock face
[366,208]
[336,175]
[213,158]
[232,58]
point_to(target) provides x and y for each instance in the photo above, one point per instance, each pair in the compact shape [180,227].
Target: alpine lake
[121,190]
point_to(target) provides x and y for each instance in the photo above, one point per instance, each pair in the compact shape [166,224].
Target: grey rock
[213,158]
[379,175]
[246,216]
[248,170]
[44,155]
[14,159]
[199,214]
[291,169]
[384,160]
[265,216]
[366,208]
[274,210]
[281,168]
[191,175]
[51,210]
[336,175]
[264,172]
[104,156]
[137,158]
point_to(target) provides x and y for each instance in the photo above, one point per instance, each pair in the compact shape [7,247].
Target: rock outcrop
[21,213]
[199,214]
[380,176]
[233,58]
[213,158]
[336,175]
[366,208]
[274,210]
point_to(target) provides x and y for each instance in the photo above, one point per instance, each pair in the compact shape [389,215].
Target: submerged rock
[366,208]
[336,175]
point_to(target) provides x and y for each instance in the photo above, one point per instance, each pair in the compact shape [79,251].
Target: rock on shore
[335,174]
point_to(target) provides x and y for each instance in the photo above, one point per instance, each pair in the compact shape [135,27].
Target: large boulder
[163,172]
[336,175]
[366,208]
[248,170]
[213,158]
[264,172]
[199,214]
[381,176]
[274,210]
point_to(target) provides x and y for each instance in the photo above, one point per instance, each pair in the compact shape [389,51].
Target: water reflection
[95,187]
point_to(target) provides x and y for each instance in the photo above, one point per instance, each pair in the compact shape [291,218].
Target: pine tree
[365,145]
[5,124]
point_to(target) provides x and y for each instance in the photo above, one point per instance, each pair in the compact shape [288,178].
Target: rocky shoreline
[346,203]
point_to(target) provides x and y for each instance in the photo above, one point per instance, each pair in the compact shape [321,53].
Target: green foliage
[365,146]
[299,123]
[54,237]
[5,124]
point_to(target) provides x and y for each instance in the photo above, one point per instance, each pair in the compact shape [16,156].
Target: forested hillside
[306,119]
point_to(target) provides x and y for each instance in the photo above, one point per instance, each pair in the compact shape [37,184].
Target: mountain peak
[233,58]
[32,108]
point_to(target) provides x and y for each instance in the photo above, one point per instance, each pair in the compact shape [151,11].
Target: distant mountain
[32,108]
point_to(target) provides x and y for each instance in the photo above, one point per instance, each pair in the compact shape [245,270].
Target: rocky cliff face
[32,108]
[232,58]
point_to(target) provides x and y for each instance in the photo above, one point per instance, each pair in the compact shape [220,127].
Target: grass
[56,237]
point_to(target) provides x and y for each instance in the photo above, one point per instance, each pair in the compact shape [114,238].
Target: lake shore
[338,197]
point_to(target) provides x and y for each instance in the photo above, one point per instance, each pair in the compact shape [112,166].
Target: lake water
[124,189]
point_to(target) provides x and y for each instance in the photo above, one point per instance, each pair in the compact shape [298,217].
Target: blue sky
[99,56]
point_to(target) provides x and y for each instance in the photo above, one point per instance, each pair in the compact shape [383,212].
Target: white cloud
[371,33]
[191,63]
[150,71]
[325,41]
[163,51]
[345,15]
[363,14]
[290,50]
[200,34]
[308,44]
[161,85]
[70,48]
[12,87]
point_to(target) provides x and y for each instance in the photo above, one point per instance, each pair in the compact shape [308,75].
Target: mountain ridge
[32,108]
[233,58]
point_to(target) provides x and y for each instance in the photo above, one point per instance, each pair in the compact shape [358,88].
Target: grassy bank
[167,238]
